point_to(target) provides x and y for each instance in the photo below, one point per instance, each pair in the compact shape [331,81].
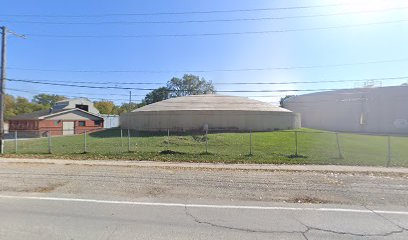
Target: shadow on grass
[116,132]
[108,133]
[165,152]
[295,156]
[291,156]
[206,154]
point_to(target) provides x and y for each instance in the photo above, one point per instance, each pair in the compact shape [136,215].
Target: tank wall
[218,120]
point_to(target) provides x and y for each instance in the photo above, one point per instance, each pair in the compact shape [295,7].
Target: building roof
[38,115]
[210,102]
[345,95]
[74,99]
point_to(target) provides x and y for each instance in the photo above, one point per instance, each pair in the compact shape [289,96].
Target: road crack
[197,220]
[387,234]
[386,219]
[304,233]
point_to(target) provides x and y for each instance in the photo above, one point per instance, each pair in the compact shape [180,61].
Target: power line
[212,70]
[69,96]
[208,20]
[79,86]
[70,92]
[175,13]
[80,94]
[230,83]
[41,35]
[150,89]
[170,104]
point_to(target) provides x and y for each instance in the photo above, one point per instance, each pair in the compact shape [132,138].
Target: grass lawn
[267,147]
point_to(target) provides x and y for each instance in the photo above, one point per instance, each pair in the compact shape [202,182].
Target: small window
[83,107]
[56,123]
[98,123]
[81,123]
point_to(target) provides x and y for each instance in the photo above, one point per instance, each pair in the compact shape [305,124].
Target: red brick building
[57,122]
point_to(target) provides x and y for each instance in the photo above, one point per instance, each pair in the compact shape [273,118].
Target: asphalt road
[54,201]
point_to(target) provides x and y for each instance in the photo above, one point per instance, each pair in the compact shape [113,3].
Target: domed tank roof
[210,102]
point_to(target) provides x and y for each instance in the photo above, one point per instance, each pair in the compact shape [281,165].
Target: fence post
[296,143]
[85,147]
[16,141]
[49,142]
[389,151]
[121,137]
[338,146]
[206,141]
[250,142]
[128,140]
[168,138]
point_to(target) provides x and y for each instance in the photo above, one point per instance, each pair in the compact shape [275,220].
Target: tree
[157,95]
[10,106]
[189,85]
[127,107]
[47,99]
[105,107]
[23,105]
[282,100]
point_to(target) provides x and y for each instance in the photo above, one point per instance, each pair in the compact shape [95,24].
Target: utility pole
[2,85]
[4,32]
[130,101]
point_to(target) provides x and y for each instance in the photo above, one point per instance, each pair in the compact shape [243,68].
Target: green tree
[23,105]
[189,85]
[157,95]
[282,100]
[127,107]
[47,99]
[105,107]
[10,107]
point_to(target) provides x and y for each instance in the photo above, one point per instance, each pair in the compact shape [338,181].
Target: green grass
[267,147]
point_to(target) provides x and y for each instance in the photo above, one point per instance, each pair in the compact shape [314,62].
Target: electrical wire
[207,20]
[213,70]
[174,104]
[231,83]
[169,90]
[73,96]
[176,13]
[41,35]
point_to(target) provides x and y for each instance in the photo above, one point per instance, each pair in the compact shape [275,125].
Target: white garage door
[68,128]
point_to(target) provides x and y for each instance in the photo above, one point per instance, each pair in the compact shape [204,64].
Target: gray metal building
[364,110]
[224,113]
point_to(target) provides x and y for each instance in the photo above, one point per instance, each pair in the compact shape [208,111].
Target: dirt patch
[156,191]
[307,199]
[44,189]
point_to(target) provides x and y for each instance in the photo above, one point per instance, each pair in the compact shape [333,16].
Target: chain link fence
[300,146]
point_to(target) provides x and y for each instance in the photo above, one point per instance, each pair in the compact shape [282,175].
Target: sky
[257,41]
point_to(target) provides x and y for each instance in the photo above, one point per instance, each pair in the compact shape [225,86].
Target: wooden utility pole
[4,32]
[2,84]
